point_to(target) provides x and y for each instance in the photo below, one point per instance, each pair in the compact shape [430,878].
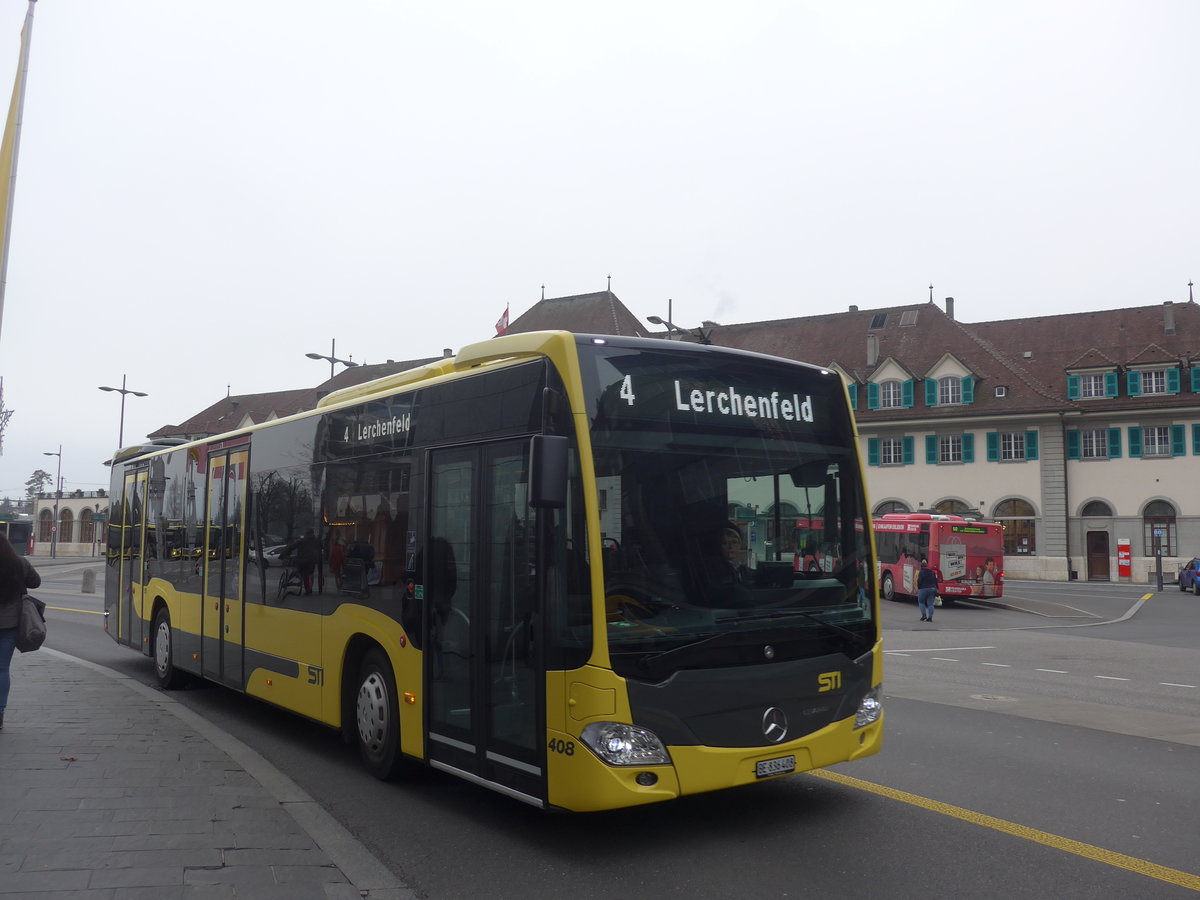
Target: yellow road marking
[1088,851]
[90,612]
[1147,596]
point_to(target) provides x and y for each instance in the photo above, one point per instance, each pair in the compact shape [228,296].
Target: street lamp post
[671,326]
[122,390]
[57,495]
[349,364]
[702,336]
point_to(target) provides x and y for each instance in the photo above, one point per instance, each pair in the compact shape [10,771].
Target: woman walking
[16,577]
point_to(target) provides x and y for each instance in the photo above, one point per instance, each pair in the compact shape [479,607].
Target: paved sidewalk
[111,790]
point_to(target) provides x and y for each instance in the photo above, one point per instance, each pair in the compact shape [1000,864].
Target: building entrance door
[1097,556]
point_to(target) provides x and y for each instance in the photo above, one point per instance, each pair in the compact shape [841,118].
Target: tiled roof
[231,412]
[598,313]
[1029,357]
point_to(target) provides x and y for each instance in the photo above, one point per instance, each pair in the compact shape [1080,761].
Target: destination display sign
[677,389]
[381,425]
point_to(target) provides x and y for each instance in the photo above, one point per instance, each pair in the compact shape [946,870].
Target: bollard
[89,581]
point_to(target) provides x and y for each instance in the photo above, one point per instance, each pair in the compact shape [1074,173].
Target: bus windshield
[731,511]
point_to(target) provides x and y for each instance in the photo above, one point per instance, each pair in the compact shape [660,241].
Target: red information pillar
[1124,561]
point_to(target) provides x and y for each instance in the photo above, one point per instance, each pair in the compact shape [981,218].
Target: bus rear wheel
[888,588]
[169,678]
[377,716]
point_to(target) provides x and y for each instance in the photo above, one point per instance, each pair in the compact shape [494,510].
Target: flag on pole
[8,152]
[502,322]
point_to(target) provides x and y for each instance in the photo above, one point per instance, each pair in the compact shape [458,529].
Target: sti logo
[829,681]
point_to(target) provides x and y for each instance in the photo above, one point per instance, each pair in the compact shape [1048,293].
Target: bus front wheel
[169,678]
[377,715]
[888,588]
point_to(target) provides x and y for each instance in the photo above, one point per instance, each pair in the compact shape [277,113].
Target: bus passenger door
[224,560]
[125,551]
[483,669]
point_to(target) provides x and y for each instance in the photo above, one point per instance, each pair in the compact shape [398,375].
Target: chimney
[950,307]
[853,307]
[447,353]
[1168,317]
[872,349]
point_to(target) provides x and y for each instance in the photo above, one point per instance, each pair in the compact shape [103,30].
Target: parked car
[1189,576]
[272,556]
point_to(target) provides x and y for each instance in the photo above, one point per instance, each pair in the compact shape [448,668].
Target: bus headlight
[869,708]
[625,745]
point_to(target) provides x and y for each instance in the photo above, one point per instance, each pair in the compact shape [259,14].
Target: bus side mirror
[548,471]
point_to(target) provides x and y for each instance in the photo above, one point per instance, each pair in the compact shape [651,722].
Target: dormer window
[1153,381]
[890,395]
[949,390]
[1091,385]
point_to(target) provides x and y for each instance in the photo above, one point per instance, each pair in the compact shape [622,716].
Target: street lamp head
[139,394]
[107,388]
[653,320]
[315,356]
[348,365]
[50,453]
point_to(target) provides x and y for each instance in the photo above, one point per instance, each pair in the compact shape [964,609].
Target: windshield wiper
[650,658]
[784,613]
[864,642]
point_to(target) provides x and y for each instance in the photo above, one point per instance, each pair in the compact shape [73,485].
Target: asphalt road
[1050,749]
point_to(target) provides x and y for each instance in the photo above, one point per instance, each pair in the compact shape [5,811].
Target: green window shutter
[852,389]
[1110,384]
[906,393]
[908,450]
[993,446]
[1172,381]
[872,451]
[872,395]
[1073,389]
[1178,445]
[931,450]
[1195,370]
[968,448]
[1135,441]
[931,392]
[1073,444]
[1196,440]
[1133,381]
[968,389]
[1031,445]
[1114,443]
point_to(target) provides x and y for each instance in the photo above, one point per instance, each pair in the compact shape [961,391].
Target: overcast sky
[208,190]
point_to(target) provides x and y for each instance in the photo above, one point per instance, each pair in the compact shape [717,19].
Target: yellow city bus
[531,572]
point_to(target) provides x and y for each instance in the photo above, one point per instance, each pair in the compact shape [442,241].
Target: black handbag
[31,626]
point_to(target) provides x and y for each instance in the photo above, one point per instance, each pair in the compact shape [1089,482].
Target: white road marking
[1110,678]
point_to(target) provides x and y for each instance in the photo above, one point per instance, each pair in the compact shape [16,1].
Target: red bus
[968,556]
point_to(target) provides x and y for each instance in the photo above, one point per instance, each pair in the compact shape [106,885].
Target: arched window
[87,527]
[891,506]
[66,526]
[45,523]
[1020,527]
[1158,524]
[891,395]
[1096,508]
[949,390]
[953,508]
